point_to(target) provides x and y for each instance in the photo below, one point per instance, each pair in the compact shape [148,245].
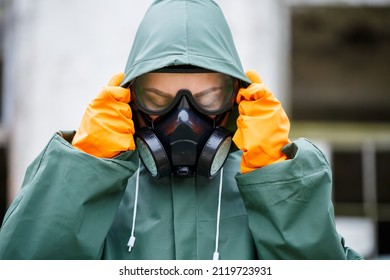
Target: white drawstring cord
[216,254]
[131,241]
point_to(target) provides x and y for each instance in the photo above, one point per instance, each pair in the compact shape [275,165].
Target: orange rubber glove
[107,127]
[262,126]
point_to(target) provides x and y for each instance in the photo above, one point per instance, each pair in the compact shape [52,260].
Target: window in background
[340,94]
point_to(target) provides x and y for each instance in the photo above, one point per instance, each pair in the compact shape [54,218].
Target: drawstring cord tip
[131,243]
[215,256]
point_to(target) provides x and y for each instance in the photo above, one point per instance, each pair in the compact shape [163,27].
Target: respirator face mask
[179,125]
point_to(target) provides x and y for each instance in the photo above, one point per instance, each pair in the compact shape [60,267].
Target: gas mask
[181,133]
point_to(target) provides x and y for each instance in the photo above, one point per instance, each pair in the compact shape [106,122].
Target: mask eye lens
[151,99]
[209,98]
[212,100]
[216,99]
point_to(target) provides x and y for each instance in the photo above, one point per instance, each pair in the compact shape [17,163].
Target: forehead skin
[172,82]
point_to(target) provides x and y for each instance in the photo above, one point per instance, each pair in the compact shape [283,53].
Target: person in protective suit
[182,156]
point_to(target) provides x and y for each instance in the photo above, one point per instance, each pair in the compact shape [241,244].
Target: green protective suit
[76,206]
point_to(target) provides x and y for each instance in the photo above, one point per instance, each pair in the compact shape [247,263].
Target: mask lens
[216,98]
[157,93]
[151,99]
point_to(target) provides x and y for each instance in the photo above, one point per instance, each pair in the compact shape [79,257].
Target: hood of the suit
[185,32]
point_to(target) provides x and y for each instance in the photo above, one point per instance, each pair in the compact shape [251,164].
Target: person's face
[157,90]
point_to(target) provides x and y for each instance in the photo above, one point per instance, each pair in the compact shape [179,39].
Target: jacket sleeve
[289,207]
[66,204]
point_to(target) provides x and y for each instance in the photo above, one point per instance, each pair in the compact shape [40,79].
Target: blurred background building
[328,61]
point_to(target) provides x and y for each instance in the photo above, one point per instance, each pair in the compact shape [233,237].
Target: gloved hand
[107,128]
[262,126]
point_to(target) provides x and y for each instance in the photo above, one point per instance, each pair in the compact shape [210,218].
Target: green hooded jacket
[75,206]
